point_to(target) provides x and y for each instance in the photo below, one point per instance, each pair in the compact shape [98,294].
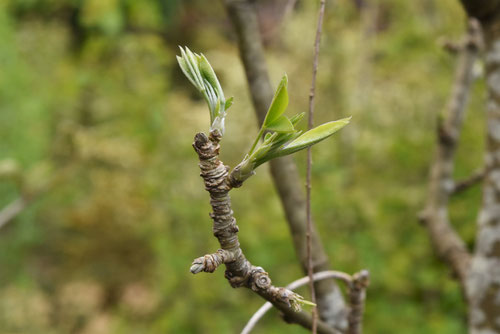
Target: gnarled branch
[445,240]
[239,271]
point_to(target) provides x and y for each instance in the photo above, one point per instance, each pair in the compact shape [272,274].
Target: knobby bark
[446,242]
[239,271]
[483,281]
[284,172]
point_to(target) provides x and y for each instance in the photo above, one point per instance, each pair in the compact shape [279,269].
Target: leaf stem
[259,136]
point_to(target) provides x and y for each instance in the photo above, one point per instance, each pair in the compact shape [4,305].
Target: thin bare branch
[465,184]
[445,240]
[12,210]
[309,163]
[29,196]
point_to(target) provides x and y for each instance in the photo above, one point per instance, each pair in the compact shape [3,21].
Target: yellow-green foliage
[109,249]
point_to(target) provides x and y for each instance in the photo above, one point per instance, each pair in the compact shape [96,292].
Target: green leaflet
[209,74]
[279,103]
[229,103]
[187,72]
[192,66]
[281,124]
[297,118]
[314,136]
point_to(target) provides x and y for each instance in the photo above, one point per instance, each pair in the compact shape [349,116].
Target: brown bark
[283,170]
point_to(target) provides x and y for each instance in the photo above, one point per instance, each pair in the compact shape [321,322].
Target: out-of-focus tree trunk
[284,172]
[483,280]
[479,272]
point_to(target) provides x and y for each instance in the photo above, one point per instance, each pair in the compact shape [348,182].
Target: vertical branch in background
[368,32]
[331,304]
[483,279]
[310,125]
[445,240]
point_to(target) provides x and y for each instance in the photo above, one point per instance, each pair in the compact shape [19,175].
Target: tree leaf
[279,103]
[281,124]
[314,136]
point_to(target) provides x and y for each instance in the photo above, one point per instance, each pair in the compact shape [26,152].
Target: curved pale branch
[357,284]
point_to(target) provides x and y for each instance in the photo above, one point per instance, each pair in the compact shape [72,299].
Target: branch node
[210,262]
[260,279]
[235,281]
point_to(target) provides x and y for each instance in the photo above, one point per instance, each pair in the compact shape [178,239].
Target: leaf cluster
[201,74]
[281,135]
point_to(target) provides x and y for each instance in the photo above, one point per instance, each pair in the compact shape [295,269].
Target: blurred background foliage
[100,120]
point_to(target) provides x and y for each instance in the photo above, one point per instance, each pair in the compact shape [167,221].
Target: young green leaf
[314,136]
[199,72]
[267,136]
[229,103]
[281,124]
[297,118]
[192,66]
[185,69]
[209,74]
[279,103]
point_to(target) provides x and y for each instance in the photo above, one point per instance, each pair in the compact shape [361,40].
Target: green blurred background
[100,119]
